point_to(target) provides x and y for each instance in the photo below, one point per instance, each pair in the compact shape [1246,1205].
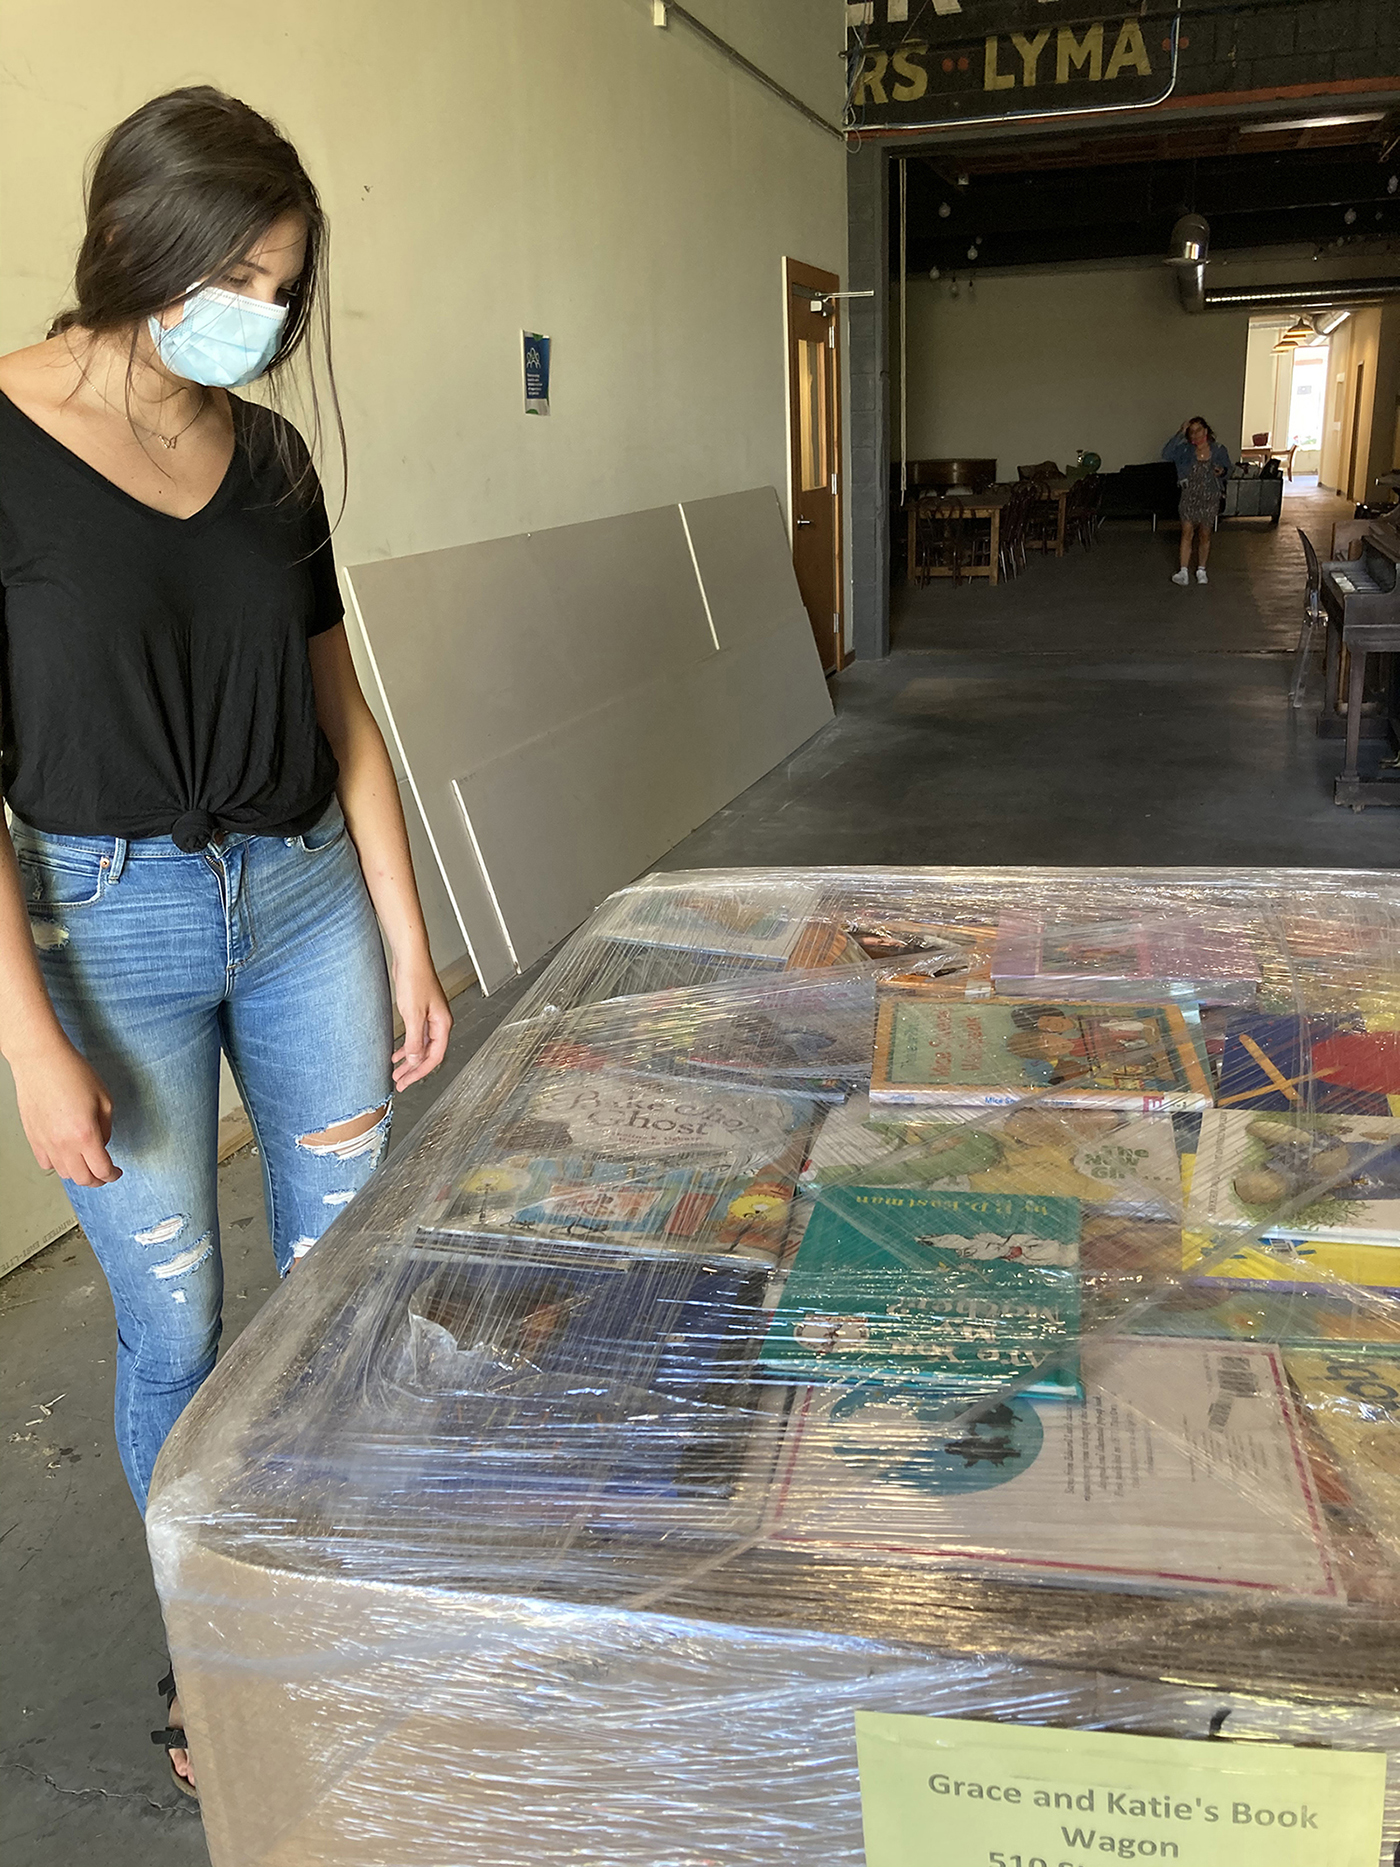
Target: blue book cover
[1309,1065]
[958,1291]
[534,1385]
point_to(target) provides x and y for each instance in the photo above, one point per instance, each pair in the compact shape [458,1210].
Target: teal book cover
[961,1291]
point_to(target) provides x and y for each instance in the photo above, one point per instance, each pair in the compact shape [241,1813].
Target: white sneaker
[1201,576]
[1182,577]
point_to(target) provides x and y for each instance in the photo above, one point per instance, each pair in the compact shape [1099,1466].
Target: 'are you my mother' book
[958,1291]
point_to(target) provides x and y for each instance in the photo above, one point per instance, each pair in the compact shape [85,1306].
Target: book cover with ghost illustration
[589,1157]
[959,1291]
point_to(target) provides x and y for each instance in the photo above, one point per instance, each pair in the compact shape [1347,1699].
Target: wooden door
[1351,487]
[814,423]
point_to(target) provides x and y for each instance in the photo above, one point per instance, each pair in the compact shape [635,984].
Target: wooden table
[986,505]
[1261,454]
[1356,642]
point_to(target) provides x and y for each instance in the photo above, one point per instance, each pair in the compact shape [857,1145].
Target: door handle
[802,521]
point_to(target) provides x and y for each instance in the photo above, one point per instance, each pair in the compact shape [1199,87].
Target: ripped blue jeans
[263,947]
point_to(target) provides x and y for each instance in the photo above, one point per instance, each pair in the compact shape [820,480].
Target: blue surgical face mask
[223,338]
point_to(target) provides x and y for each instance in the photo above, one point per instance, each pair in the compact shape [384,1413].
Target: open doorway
[1306,408]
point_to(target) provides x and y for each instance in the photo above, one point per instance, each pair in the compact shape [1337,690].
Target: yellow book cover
[1354,1399]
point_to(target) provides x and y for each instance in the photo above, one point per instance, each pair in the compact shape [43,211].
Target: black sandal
[172,1737]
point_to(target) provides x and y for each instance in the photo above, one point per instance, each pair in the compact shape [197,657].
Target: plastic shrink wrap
[969,1293]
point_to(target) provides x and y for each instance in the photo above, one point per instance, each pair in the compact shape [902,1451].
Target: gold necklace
[168,441]
[171,441]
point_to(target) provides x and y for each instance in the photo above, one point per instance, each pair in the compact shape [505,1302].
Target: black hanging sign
[916,63]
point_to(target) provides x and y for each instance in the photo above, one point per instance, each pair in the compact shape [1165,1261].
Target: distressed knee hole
[162,1234]
[337,1199]
[348,1139]
[48,935]
[185,1260]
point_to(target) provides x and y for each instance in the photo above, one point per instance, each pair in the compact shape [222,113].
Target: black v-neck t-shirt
[155,674]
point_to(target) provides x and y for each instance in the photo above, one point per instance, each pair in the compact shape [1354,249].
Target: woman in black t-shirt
[207,833]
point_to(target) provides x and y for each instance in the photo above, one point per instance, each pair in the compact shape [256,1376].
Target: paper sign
[536,373]
[953,1792]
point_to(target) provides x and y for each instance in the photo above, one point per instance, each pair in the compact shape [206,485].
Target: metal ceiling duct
[1188,251]
[1313,294]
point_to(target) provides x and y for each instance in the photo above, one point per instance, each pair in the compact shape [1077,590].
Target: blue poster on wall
[536,373]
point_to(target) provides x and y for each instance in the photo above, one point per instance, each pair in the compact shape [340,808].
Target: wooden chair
[1042,518]
[1314,617]
[1082,509]
[979,541]
[1012,532]
[940,539]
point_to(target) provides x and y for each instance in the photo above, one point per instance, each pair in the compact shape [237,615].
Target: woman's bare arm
[65,1109]
[369,796]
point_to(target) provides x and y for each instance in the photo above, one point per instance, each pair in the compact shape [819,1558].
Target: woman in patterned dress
[1201,465]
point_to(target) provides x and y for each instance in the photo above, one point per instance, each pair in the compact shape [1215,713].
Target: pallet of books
[898,1367]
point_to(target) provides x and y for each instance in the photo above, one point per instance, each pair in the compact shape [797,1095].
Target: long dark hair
[1210,432]
[178,194]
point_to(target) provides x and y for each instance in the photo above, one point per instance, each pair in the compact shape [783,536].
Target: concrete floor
[1090,712]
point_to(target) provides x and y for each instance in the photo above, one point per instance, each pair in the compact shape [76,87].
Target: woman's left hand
[427,1022]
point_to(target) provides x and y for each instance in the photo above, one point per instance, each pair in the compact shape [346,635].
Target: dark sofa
[1143,492]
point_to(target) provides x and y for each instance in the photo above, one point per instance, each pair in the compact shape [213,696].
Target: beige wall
[1348,469]
[488,167]
[1032,365]
[563,166]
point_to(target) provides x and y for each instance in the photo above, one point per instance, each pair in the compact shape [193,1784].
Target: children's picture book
[1297,1318]
[950,960]
[1332,1066]
[1353,1398]
[594,1157]
[824,943]
[814,1039]
[1136,960]
[956,1291]
[526,1388]
[1182,1468]
[1304,1177]
[1131,1056]
[1271,1256]
[602,969]
[714,920]
[1124,1163]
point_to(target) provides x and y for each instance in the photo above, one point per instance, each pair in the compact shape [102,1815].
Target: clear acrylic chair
[1314,616]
